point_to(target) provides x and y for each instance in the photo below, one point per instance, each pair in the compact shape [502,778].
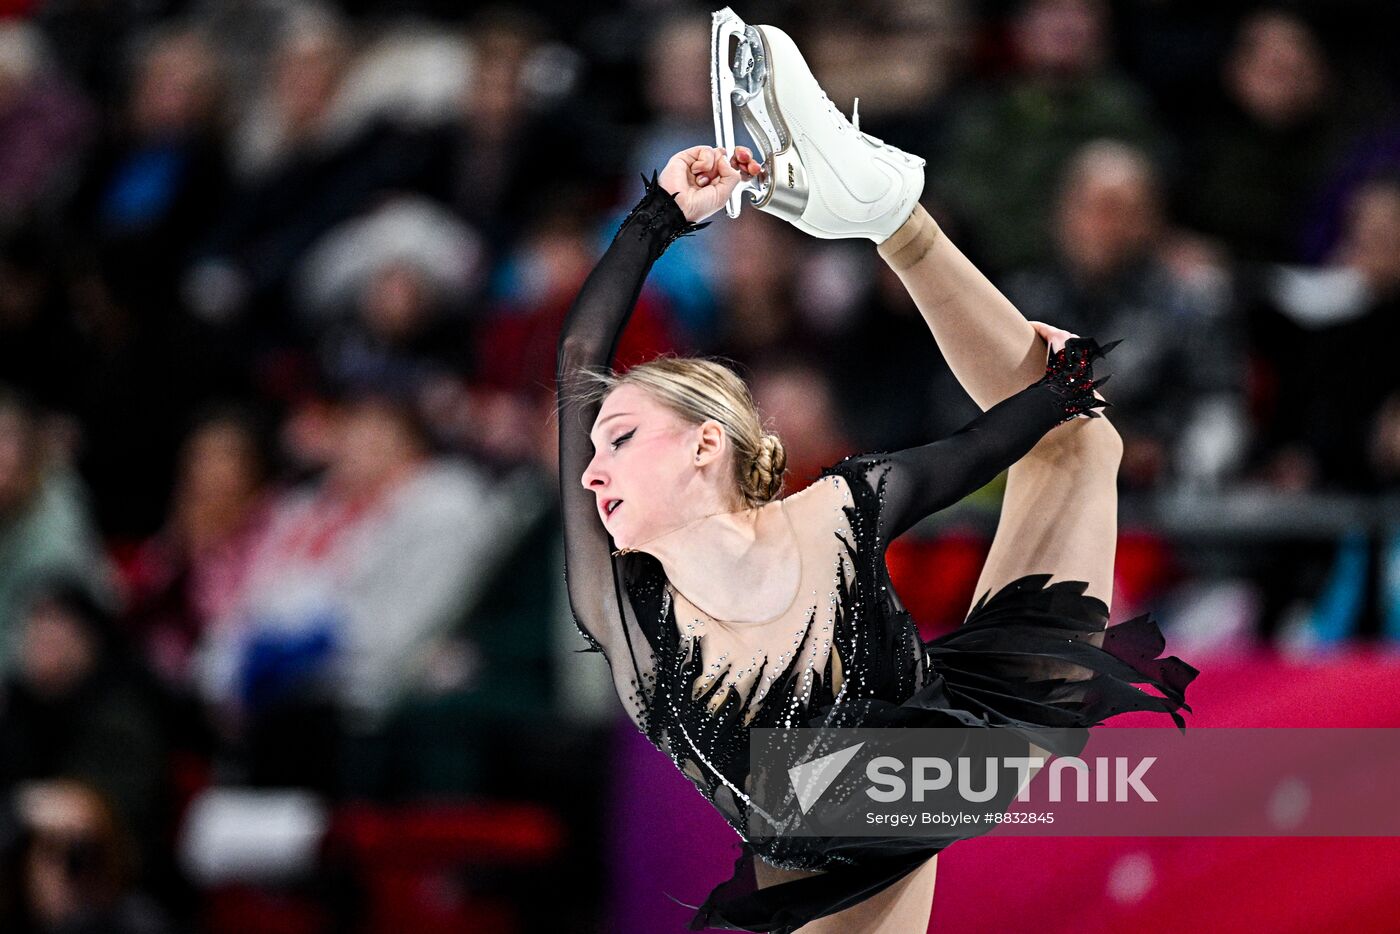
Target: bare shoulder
[829,492]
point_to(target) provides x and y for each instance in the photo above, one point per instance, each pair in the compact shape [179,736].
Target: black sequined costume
[846,652]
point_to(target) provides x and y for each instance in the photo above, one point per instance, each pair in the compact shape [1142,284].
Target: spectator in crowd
[909,396]
[522,107]
[44,124]
[149,192]
[676,84]
[154,186]
[1374,153]
[296,109]
[1285,120]
[923,48]
[188,575]
[1323,429]
[388,296]
[328,135]
[45,527]
[76,707]
[1008,145]
[1178,385]
[70,866]
[351,582]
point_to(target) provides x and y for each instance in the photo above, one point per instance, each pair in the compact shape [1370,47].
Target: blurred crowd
[280,286]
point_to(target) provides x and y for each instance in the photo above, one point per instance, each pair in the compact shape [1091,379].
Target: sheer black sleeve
[588,342]
[917,482]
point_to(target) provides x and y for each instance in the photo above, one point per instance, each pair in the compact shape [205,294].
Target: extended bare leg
[1060,512]
[989,345]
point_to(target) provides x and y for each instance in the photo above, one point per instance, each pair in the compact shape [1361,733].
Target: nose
[592,478]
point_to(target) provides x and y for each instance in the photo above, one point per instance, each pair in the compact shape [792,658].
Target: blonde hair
[700,390]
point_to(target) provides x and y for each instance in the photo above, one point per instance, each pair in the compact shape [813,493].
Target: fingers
[724,165]
[691,154]
[706,165]
[1049,331]
[1055,338]
[710,166]
[700,164]
[703,168]
[743,161]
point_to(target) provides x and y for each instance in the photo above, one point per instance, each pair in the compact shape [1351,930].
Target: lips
[609,507]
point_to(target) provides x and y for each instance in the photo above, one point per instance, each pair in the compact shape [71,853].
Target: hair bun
[766,476]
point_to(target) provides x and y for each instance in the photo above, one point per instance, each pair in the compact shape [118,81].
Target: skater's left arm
[919,481]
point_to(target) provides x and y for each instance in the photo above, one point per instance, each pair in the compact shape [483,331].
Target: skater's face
[651,469]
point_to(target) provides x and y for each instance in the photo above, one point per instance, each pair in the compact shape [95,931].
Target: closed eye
[621,438]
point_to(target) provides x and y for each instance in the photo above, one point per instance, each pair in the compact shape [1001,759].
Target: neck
[730,535]
[733,566]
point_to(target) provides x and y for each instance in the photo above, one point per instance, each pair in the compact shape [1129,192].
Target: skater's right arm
[694,184]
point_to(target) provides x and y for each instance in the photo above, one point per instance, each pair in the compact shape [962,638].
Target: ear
[710,443]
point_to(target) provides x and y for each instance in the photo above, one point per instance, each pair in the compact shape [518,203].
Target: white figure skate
[820,172]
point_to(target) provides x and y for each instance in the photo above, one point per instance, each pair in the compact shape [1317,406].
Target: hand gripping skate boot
[820,172]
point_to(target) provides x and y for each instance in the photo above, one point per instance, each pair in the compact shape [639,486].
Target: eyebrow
[607,418]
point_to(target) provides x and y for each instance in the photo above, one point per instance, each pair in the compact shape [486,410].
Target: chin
[627,537]
[621,537]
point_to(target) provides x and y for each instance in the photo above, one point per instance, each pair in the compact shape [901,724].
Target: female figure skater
[721,607]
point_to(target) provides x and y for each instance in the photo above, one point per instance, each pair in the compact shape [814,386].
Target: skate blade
[740,79]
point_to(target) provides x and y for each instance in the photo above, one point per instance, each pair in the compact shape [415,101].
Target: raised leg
[989,345]
[1060,512]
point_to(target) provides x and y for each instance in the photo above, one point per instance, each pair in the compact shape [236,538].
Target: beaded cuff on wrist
[657,214]
[1069,374]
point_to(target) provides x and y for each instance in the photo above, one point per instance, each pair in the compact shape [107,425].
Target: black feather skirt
[1037,657]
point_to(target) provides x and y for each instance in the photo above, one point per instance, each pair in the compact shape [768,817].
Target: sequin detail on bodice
[855,641]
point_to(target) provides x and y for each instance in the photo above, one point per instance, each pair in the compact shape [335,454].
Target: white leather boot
[821,173]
